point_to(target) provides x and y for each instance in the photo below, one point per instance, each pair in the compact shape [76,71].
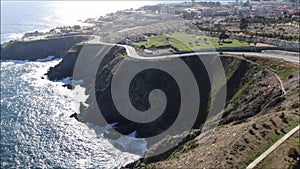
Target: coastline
[39,49]
[19,18]
[67,42]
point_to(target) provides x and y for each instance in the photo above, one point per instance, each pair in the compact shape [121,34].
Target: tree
[167,40]
[143,47]
[223,36]
[244,24]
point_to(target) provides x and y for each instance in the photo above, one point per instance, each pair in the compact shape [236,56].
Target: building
[159,50]
[193,2]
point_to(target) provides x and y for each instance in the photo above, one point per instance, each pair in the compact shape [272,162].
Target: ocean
[20,17]
[36,131]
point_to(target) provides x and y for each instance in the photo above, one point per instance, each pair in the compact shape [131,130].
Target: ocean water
[27,16]
[20,17]
[36,131]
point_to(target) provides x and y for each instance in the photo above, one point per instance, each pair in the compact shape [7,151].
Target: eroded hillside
[261,105]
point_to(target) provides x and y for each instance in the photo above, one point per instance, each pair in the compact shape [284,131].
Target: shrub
[293,153]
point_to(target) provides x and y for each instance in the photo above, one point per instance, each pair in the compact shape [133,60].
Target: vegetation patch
[186,42]
[285,156]
[268,142]
[240,91]
[283,69]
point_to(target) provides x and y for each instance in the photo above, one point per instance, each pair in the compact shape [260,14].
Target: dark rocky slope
[65,67]
[37,49]
[248,88]
[244,78]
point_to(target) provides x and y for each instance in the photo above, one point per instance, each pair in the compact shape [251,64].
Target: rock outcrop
[247,85]
[65,68]
[37,49]
[243,77]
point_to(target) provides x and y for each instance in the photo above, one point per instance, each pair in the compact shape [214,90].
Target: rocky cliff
[37,49]
[248,87]
[65,67]
[243,78]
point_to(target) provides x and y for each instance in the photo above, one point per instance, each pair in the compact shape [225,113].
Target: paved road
[288,56]
[278,143]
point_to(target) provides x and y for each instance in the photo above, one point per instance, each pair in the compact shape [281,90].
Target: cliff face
[247,88]
[65,67]
[37,49]
[250,90]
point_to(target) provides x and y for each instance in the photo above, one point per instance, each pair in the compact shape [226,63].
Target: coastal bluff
[37,49]
[247,86]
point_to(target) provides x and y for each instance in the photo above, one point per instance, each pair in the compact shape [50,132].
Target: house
[159,50]
[137,37]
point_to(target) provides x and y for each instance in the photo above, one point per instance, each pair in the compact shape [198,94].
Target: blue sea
[20,17]
[36,131]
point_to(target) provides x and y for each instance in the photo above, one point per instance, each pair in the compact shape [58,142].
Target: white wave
[113,124]
[49,58]
[16,61]
[131,144]
[80,97]
[60,108]
[10,36]
[36,77]
[125,143]
[133,134]
[69,80]
[77,82]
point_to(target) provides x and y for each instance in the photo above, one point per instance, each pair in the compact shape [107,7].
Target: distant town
[154,29]
[195,54]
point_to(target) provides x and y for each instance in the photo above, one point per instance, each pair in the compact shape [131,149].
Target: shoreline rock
[240,71]
[39,49]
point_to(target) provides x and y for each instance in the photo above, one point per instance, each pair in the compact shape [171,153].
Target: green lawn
[185,41]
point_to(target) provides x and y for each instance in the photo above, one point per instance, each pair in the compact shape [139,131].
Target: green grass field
[185,41]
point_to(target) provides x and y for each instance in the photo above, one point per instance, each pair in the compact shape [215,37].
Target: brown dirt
[237,145]
[280,157]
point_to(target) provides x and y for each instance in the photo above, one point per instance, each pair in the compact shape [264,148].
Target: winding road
[287,56]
